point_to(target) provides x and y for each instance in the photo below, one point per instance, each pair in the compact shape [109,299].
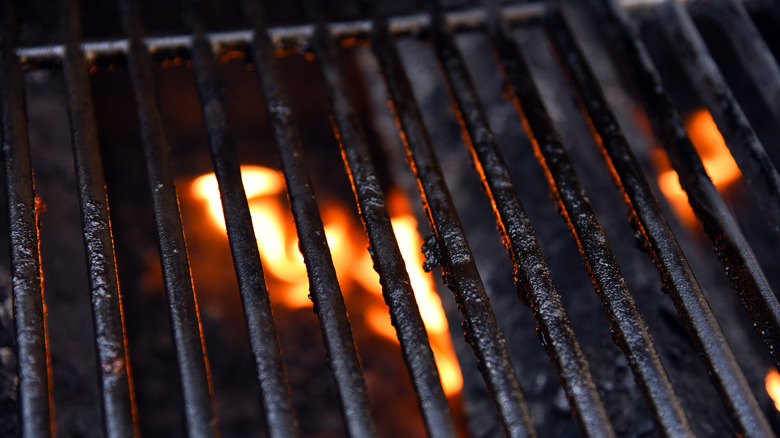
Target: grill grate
[448,246]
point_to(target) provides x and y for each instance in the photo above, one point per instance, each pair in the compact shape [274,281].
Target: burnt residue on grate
[254,293]
[460,271]
[24,208]
[588,383]
[532,276]
[115,379]
[385,252]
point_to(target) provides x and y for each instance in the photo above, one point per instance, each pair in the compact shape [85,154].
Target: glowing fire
[409,241]
[719,164]
[278,246]
[772,382]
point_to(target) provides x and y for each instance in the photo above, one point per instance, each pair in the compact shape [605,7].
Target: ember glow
[715,155]
[772,382]
[278,246]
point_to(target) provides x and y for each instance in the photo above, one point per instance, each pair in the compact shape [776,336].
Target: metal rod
[24,208]
[396,285]
[739,261]
[678,278]
[755,58]
[285,36]
[274,389]
[741,265]
[460,270]
[636,190]
[532,276]
[182,303]
[747,150]
[323,284]
[116,388]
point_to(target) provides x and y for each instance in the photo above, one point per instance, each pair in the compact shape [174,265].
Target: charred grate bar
[190,349]
[387,256]
[270,370]
[289,36]
[480,326]
[23,220]
[115,379]
[449,247]
[618,303]
[654,227]
[747,149]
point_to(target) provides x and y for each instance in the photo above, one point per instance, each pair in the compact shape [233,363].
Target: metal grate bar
[708,205]
[742,268]
[760,174]
[23,211]
[646,212]
[325,291]
[287,36]
[688,297]
[627,323]
[108,320]
[396,285]
[460,271]
[275,391]
[754,56]
[739,261]
[183,307]
[533,278]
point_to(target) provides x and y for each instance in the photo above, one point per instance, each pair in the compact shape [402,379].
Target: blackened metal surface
[755,57]
[741,265]
[183,307]
[287,36]
[545,409]
[678,278]
[388,262]
[110,343]
[460,271]
[749,153]
[737,257]
[23,210]
[532,276]
[275,391]
[638,195]
[323,284]
[755,292]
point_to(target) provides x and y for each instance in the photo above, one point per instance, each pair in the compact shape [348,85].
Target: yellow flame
[772,382]
[428,301]
[258,182]
[379,320]
[278,248]
[715,155]
[405,229]
[276,242]
[431,310]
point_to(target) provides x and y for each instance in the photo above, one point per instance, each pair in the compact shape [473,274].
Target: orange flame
[277,241]
[409,241]
[278,248]
[772,382]
[715,155]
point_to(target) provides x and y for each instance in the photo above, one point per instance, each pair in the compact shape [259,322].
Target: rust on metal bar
[23,215]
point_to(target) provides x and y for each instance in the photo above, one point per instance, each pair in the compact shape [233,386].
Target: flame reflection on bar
[715,155]
[278,246]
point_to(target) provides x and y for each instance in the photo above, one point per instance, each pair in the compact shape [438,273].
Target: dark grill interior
[545,128]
